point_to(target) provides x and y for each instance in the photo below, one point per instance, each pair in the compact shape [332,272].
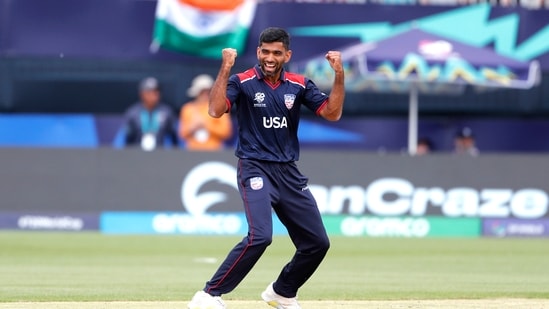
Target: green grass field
[90,267]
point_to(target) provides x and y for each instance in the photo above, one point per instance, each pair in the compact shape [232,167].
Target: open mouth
[269,67]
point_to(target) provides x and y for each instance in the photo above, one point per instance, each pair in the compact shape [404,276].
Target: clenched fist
[334,58]
[228,56]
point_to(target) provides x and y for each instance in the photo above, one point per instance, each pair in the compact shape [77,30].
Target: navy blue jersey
[268,114]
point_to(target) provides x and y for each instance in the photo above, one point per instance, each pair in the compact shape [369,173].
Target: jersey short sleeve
[313,98]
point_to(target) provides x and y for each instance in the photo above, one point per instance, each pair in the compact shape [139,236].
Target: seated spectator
[149,122]
[197,128]
[424,146]
[464,143]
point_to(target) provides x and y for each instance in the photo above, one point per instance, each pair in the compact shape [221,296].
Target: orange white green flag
[202,27]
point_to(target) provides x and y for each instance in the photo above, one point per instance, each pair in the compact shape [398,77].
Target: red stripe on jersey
[229,105]
[321,107]
[295,78]
[246,75]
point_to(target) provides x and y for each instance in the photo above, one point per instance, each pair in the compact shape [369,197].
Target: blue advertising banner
[148,222]
[515,228]
[46,221]
[217,223]
[126,27]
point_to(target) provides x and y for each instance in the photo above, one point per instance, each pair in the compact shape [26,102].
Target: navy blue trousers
[266,186]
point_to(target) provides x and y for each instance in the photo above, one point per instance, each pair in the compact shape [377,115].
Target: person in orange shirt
[200,131]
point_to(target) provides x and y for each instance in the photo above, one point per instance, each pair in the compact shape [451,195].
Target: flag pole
[413,120]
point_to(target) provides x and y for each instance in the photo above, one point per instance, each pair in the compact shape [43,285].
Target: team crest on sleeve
[256,183]
[289,100]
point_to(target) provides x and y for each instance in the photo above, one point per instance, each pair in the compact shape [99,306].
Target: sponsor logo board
[34,221]
[515,228]
[385,196]
[408,227]
[179,223]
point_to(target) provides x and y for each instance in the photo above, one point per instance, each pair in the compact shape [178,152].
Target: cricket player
[267,100]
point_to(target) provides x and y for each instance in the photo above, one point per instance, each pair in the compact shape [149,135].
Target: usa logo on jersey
[289,100]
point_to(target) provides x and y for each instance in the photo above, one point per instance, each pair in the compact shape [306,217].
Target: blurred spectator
[196,127]
[149,123]
[506,3]
[464,143]
[424,146]
[533,4]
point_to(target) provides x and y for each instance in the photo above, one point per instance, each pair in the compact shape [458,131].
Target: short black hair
[275,34]
[425,141]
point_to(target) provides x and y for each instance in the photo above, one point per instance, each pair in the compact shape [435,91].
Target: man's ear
[288,56]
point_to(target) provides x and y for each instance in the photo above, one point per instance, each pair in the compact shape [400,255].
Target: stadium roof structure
[415,61]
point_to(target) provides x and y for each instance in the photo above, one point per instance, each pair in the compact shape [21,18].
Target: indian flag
[202,27]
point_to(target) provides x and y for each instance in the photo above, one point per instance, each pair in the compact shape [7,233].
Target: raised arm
[334,108]
[218,95]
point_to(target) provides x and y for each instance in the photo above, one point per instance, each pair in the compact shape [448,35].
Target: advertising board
[194,192]
[515,228]
[42,221]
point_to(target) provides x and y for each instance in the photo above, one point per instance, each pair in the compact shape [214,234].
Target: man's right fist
[229,56]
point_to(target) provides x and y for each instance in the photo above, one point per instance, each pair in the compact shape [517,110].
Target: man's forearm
[334,107]
[218,93]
